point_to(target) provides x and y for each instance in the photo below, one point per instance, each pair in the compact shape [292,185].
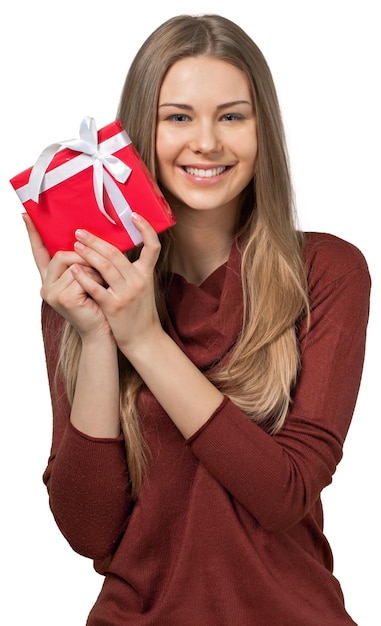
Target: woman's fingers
[151,244]
[61,290]
[39,250]
[127,299]
[106,258]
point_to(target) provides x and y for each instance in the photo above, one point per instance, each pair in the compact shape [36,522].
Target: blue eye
[232,117]
[179,117]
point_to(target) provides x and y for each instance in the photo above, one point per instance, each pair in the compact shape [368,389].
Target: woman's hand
[128,302]
[60,289]
[126,296]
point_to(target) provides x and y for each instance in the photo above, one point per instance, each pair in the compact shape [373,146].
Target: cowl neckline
[205,320]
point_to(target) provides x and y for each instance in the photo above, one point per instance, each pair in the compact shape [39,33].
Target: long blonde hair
[262,368]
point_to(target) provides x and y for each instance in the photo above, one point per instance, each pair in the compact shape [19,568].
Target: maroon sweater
[228,526]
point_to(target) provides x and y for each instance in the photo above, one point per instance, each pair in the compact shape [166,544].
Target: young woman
[203,385]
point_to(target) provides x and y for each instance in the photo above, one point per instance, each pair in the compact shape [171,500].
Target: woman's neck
[201,245]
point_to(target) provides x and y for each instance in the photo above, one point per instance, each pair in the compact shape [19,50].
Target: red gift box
[94,183]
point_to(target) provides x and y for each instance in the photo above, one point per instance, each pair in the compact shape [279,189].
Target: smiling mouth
[205,173]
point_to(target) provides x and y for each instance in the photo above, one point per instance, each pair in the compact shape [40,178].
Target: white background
[62,61]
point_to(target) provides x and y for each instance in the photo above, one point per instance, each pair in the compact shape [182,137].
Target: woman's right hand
[61,291]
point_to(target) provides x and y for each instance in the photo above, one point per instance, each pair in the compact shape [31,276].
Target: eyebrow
[188,107]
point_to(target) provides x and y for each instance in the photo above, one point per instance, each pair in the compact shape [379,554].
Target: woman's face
[206,140]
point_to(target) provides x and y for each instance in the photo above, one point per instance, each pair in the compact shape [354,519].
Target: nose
[205,138]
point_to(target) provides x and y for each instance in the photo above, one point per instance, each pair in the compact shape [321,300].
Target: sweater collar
[205,320]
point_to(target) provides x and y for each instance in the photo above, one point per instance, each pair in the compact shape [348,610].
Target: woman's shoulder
[332,256]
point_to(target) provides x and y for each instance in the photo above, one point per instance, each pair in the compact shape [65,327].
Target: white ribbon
[99,158]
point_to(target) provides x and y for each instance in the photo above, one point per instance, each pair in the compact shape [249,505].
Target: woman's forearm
[95,408]
[186,395]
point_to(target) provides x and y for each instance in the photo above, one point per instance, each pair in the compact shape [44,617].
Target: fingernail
[78,245]
[81,234]
[136,217]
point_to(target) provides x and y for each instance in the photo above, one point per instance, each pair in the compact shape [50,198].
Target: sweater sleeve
[279,478]
[86,477]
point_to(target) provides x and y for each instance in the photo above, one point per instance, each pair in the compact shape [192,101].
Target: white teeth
[215,171]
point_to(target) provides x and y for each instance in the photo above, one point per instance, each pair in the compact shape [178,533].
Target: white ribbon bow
[88,145]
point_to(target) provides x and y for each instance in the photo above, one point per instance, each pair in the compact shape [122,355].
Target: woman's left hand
[127,300]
